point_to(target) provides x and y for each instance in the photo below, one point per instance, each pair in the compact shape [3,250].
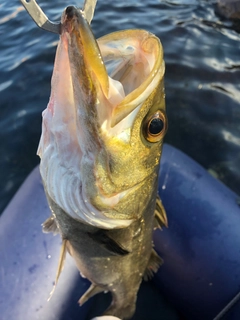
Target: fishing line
[228,307]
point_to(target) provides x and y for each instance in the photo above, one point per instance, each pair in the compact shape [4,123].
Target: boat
[200,277]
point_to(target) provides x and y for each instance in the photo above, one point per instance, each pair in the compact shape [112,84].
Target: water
[202,55]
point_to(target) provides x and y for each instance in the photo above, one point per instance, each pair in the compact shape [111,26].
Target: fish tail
[123,303]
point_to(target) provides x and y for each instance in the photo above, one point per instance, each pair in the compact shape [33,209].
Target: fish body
[100,151]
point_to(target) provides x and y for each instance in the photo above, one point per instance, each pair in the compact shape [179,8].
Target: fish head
[103,128]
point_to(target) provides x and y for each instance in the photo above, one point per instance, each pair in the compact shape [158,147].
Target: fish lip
[73,19]
[145,44]
[70,11]
[150,43]
[69,14]
[85,49]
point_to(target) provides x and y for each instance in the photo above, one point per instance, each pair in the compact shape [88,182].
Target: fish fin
[153,264]
[102,238]
[92,290]
[160,215]
[60,265]
[50,225]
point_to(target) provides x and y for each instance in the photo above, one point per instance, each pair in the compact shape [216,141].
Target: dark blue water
[202,54]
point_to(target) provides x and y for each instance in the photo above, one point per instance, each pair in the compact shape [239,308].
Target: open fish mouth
[122,68]
[98,89]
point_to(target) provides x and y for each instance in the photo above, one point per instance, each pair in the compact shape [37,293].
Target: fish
[229,8]
[100,150]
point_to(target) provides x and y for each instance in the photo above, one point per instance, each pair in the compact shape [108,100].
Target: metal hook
[40,18]
[88,9]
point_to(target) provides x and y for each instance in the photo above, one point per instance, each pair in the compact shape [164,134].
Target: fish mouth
[120,69]
[84,46]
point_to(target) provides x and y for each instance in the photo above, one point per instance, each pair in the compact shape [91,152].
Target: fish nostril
[70,11]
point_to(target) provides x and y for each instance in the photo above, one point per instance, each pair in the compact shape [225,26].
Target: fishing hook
[40,18]
[44,23]
[228,307]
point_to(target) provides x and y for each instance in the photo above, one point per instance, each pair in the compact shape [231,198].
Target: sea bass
[100,149]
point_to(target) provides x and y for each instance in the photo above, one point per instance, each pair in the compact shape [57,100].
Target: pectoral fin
[153,265]
[50,225]
[160,220]
[111,245]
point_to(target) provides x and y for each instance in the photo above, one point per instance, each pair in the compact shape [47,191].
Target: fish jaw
[68,130]
[92,134]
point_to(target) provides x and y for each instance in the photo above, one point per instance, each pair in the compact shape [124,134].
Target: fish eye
[155,127]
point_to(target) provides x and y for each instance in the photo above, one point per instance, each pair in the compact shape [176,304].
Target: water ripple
[5,85]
